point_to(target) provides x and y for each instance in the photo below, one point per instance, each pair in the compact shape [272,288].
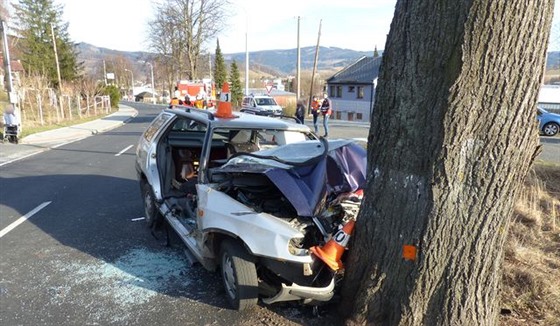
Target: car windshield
[253,140]
[265,101]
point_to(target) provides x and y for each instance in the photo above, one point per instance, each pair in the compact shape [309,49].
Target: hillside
[279,63]
[271,62]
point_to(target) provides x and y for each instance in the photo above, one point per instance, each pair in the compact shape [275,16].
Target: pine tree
[375,53]
[35,22]
[220,72]
[236,91]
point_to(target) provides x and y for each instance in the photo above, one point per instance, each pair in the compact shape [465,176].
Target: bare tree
[453,136]
[181,29]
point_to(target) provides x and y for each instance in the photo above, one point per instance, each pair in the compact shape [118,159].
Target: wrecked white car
[253,197]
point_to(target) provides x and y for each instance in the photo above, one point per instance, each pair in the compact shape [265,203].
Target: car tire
[550,129]
[153,217]
[239,275]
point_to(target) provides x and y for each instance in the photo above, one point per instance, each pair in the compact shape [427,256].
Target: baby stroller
[11,133]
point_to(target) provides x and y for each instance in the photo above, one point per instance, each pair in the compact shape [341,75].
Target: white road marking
[138,219]
[124,150]
[23,219]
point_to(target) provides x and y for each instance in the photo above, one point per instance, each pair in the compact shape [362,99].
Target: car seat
[241,142]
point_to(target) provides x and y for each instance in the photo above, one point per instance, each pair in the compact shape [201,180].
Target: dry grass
[531,280]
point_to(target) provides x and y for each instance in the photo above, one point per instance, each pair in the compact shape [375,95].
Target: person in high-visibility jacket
[315,110]
[326,110]
[174,102]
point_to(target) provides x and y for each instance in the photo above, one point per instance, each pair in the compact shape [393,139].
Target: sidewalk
[42,141]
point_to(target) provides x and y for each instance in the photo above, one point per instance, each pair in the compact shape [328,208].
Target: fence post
[79,106]
[69,107]
[40,105]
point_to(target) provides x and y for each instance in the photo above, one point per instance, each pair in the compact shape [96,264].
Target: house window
[338,91]
[351,89]
[331,91]
[360,93]
[359,116]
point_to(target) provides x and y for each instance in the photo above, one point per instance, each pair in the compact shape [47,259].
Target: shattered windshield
[285,157]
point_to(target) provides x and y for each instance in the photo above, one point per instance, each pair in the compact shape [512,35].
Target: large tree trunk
[452,137]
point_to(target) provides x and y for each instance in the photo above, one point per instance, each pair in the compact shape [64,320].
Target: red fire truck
[200,94]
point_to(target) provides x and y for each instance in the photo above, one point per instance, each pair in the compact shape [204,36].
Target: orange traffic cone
[331,253]
[224,106]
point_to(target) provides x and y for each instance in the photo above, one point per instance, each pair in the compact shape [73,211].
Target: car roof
[242,120]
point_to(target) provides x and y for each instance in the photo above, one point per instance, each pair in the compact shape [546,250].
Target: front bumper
[305,293]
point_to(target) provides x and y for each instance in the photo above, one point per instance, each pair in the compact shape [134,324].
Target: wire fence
[41,107]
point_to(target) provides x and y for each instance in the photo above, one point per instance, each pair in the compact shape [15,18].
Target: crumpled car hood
[304,172]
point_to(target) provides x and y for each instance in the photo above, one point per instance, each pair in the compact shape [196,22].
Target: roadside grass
[531,276]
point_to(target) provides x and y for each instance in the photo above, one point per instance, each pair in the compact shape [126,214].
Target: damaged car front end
[261,200]
[287,200]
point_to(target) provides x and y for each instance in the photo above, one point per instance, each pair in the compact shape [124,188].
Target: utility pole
[7,63]
[57,73]
[12,95]
[298,69]
[314,67]
[104,73]
[246,59]
[56,58]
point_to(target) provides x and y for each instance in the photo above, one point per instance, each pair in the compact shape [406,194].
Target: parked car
[252,197]
[549,123]
[261,105]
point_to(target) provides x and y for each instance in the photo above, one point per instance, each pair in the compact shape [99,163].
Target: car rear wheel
[153,217]
[550,129]
[239,275]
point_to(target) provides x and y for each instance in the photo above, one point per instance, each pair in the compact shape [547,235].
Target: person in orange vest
[315,106]
[174,102]
[326,110]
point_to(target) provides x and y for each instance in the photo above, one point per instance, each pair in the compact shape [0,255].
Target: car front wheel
[550,129]
[150,210]
[239,275]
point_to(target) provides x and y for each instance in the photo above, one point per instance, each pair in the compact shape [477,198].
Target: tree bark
[452,138]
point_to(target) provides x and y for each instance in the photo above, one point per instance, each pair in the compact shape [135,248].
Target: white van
[261,105]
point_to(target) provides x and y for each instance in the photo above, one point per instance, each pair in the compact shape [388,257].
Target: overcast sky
[352,24]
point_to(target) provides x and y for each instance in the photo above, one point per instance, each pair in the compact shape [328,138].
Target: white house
[549,98]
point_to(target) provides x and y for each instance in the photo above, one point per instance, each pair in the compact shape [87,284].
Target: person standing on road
[315,106]
[300,111]
[326,110]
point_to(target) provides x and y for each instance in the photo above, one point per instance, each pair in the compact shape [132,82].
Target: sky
[359,25]
[352,24]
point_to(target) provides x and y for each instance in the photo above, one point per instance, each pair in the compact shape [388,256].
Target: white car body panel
[264,234]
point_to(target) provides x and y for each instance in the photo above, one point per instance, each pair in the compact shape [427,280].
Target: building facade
[352,90]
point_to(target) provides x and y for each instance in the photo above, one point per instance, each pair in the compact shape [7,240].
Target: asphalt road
[84,256]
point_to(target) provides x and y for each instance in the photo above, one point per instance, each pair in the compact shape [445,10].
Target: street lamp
[132,78]
[246,51]
[153,89]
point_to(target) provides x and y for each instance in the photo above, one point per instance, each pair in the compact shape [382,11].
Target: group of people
[200,102]
[322,107]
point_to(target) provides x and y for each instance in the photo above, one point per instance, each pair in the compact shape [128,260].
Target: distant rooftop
[364,71]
